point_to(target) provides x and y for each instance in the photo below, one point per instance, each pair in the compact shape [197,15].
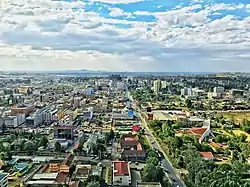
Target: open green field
[237,117]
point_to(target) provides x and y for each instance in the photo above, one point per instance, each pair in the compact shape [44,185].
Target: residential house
[207,156]
[121,173]
[131,148]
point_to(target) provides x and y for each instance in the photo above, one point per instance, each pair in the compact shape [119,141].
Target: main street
[174,179]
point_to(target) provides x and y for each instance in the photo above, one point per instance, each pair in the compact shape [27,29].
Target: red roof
[198,131]
[208,155]
[121,168]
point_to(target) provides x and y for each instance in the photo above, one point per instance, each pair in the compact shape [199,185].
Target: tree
[188,103]
[43,141]
[71,170]
[151,153]
[178,142]
[3,128]
[111,134]
[153,160]
[93,184]
[58,147]
[152,173]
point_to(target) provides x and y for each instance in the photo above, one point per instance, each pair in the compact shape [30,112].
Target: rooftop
[121,168]
[208,155]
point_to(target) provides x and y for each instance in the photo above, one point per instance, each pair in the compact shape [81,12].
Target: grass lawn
[239,132]
[238,117]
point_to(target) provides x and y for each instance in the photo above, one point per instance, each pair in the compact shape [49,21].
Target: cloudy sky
[125,35]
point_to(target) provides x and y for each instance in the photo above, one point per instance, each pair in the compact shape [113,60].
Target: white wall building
[121,174]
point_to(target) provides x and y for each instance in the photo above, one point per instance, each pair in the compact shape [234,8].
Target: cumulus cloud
[53,34]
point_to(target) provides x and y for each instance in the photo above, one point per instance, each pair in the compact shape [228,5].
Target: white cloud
[117,1]
[48,34]
[116,12]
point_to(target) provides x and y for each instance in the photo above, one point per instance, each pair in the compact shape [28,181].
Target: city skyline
[125,35]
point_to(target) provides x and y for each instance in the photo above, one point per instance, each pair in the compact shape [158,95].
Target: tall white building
[163,84]
[219,90]
[157,86]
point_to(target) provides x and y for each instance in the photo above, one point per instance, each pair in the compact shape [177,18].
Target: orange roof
[121,168]
[198,131]
[208,155]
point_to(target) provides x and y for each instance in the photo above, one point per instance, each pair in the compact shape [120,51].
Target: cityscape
[105,129]
[124,93]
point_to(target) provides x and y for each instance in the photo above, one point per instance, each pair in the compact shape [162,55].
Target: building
[163,84]
[121,173]
[22,109]
[207,156]
[11,122]
[212,95]
[236,92]
[48,179]
[44,98]
[64,132]
[219,90]
[76,102]
[121,85]
[4,179]
[157,86]
[34,120]
[131,148]
[186,92]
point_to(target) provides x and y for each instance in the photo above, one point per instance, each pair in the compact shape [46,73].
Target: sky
[125,35]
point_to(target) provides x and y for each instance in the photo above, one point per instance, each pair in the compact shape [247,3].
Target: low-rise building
[64,132]
[207,155]
[121,173]
[131,148]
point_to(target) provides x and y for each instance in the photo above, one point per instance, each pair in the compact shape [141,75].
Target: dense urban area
[134,130]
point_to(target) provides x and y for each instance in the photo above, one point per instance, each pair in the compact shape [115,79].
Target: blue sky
[125,35]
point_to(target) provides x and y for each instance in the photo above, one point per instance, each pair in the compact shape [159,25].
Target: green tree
[43,141]
[153,160]
[93,184]
[58,147]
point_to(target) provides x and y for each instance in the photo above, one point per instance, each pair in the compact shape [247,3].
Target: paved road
[165,162]
[174,179]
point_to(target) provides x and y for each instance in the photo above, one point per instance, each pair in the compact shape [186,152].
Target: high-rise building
[157,86]
[163,84]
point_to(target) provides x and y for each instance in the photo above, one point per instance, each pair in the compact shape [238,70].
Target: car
[136,163]
[152,142]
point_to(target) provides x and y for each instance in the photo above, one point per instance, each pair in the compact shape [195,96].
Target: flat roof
[48,176]
[43,182]
[160,115]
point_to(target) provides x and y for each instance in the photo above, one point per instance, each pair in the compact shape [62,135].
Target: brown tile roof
[208,155]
